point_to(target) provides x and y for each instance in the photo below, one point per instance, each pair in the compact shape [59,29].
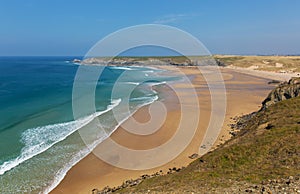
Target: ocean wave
[40,139]
[148,67]
[145,98]
[156,83]
[113,83]
[121,68]
[149,71]
[81,154]
[132,83]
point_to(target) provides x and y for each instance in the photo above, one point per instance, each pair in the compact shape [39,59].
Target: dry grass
[267,63]
[255,154]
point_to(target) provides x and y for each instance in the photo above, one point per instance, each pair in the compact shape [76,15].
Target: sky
[71,28]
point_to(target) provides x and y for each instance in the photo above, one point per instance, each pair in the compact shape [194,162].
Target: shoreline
[114,176]
[143,109]
[72,164]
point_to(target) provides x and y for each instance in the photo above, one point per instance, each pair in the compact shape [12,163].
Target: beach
[245,93]
[149,97]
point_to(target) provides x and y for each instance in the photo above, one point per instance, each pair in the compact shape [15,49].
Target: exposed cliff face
[284,91]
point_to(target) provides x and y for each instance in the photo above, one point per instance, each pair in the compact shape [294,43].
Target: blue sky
[57,27]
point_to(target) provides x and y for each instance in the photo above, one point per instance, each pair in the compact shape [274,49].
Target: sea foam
[39,139]
[81,154]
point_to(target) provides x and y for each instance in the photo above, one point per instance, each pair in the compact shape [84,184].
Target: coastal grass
[174,59]
[268,147]
[266,63]
[282,64]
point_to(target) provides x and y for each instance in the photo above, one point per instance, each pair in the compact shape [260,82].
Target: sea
[39,134]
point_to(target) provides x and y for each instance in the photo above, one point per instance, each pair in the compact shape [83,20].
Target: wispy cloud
[173,18]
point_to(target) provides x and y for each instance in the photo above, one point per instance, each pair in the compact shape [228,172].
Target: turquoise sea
[39,139]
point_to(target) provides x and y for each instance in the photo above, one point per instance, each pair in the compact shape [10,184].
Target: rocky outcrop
[194,156]
[134,182]
[284,91]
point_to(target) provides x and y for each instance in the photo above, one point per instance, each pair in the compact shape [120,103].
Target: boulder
[193,156]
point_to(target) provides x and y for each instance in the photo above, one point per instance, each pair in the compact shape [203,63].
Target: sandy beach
[244,92]
[266,74]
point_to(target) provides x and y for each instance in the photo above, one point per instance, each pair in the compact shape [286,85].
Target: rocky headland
[146,61]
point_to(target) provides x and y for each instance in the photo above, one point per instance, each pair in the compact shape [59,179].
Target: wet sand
[244,94]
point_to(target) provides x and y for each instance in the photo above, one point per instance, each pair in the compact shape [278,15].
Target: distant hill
[159,60]
[282,64]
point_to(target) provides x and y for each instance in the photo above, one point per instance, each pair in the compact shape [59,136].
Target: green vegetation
[267,148]
[137,58]
[172,59]
[283,64]
[267,63]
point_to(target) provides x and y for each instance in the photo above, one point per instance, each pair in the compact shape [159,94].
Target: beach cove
[245,93]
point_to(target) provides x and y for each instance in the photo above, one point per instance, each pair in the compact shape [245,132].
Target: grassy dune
[267,63]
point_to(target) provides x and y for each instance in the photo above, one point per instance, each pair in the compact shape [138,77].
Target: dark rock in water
[193,156]
[284,91]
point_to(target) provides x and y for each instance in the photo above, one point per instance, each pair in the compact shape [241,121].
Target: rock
[95,191]
[269,126]
[145,176]
[76,61]
[274,82]
[284,91]
[294,80]
[193,156]
[219,63]
[233,133]
[176,169]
